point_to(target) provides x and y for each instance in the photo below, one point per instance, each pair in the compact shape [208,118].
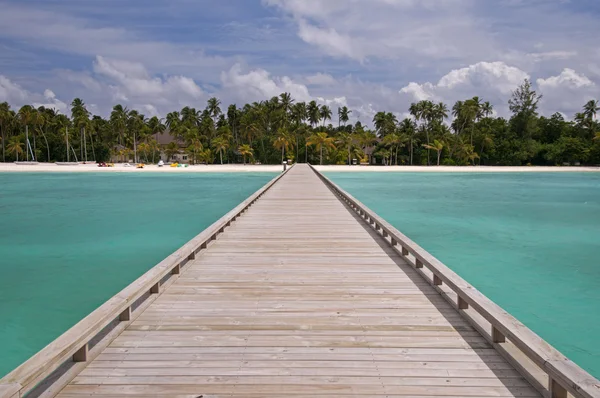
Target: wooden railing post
[497,336]
[404,251]
[125,315]
[155,289]
[556,390]
[176,270]
[418,263]
[462,304]
[437,281]
[81,354]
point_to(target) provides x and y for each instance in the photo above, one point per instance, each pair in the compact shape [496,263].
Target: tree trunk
[3,147]
[439,155]
[47,146]
[221,155]
[321,155]
[282,153]
[26,142]
[349,161]
[411,151]
[427,134]
[305,153]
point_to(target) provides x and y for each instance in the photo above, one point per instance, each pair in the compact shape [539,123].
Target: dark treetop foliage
[281,128]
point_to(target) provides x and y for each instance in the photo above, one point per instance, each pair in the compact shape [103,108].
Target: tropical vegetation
[280,128]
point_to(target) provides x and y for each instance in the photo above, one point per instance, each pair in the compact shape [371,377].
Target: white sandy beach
[237,168]
[121,168]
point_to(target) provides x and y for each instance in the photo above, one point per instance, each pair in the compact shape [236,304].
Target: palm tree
[487,109]
[325,113]
[26,115]
[194,149]
[346,140]
[343,115]
[282,141]
[314,114]
[144,149]
[171,150]
[213,108]
[591,108]
[407,128]
[6,117]
[220,144]
[156,126]
[245,150]
[385,123]
[320,141]
[81,119]
[153,147]
[395,141]
[436,146]
[41,122]
[299,114]
[423,110]
[285,102]
[15,146]
[118,120]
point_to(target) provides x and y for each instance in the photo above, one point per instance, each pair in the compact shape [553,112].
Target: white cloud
[10,91]
[493,81]
[60,30]
[566,92]
[568,78]
[332,42]
[320,79]
[133,83]
[52,102]
[17,96]
[258,85]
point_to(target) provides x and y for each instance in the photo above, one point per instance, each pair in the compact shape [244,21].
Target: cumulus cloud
[134,81]
[10,91]
[18,96]
[258,85]
[50,101]
[494,81]
[566,92]
[568,79]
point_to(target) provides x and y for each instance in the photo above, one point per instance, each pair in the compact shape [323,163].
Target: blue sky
[370,55]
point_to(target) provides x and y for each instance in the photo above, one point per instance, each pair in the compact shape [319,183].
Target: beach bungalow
[164,141]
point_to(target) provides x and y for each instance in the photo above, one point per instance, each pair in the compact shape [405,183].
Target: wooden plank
[298,298]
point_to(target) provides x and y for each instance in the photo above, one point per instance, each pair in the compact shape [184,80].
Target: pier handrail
[563,374]
[74,342]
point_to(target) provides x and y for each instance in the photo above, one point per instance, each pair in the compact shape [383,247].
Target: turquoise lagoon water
[68,242]
[530,242]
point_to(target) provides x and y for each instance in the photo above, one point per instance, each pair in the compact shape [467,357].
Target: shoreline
[239,168]
[120,168]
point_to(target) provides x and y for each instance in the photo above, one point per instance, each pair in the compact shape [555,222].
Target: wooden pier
[300,291]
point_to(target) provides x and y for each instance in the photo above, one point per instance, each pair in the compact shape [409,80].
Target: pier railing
[542,365]
[48,371]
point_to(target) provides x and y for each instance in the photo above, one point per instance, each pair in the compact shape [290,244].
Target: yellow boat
[174,164]
[140,166]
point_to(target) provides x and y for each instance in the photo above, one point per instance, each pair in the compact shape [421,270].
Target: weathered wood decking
[299,297]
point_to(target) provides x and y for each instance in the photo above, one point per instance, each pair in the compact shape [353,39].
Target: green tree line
[282,128]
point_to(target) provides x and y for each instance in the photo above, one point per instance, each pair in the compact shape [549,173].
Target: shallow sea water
[529,241]
[69,242]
